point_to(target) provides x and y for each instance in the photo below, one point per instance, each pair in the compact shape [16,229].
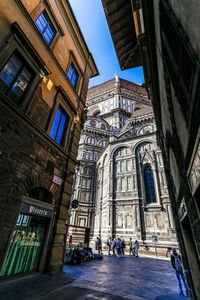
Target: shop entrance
[25,248]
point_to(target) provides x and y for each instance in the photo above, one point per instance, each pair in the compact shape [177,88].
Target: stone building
[45,66]
[120,179]
[163,36]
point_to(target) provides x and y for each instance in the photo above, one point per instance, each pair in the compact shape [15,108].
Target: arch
[141,142]
[91,140]
[102,143]
[142,128]
[104,159]
[149,184]
[137,152]
[41,193]
[39,181]
[120,146]
[87,170]
[96,114]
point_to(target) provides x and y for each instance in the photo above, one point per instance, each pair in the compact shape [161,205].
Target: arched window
[90,140]
[149,185]
[102,143]
[96,114]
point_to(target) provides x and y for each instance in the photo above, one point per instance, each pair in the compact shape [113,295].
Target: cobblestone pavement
[114,278]
[120,278]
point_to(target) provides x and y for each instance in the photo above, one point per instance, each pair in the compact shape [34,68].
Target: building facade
[45,67]
[162,36]
[120,180]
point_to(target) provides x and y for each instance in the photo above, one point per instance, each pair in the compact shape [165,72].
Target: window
[149,185]
[59,126]
[45,27]
[72,75]
[178,55]
[15,77]
[90,140]
[97,114]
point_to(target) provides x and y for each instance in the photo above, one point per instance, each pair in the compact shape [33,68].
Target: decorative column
[142,184]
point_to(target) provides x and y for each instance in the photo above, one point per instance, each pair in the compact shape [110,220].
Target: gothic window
[102,143]
[149,185]
[87,171]
[91,140]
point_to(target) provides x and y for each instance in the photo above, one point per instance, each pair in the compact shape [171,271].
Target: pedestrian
[118,246]
[123,245]
[99,245]
[70,240]
[109,243]
[136,248]
[178,268]
[133,248]
[114,246]
[130,247]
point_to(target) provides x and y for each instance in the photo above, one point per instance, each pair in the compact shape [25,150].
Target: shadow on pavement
[171,296]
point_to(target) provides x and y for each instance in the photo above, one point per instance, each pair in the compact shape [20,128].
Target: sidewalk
[105,252]
[97,280]
[33,287]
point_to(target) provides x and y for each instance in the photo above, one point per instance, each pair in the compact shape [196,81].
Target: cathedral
[120,179]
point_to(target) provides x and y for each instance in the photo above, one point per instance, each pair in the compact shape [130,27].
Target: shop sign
[57,180]
[36,210]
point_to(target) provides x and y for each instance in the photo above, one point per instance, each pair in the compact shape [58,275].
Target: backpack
[178,264]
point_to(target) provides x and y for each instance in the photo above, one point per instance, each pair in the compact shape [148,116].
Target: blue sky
[93,24]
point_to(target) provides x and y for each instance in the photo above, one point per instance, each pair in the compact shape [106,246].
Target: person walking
[70,240]
[133,248]
[99,244]
[130,247]
[123,245]
[178,269]
[114,246]
[118,246]
[136,248]
[109,243]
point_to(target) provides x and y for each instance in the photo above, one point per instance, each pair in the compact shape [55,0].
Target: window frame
[70,77]
[44,6]
[65,126]
[16,77]
[145,186]
[50,23]
[73,61]
[18,42]
[61,102]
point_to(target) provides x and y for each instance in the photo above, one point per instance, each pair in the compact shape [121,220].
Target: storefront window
[23,254]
